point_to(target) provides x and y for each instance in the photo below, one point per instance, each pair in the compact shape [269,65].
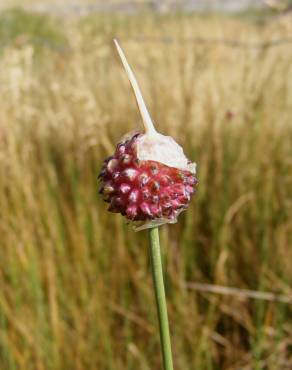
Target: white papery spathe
[153,146]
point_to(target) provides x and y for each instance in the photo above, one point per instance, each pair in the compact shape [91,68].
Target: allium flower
[148,178]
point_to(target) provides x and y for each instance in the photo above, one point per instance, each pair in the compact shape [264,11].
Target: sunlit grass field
[75,281]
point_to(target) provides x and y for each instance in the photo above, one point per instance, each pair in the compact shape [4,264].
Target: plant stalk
[158,283]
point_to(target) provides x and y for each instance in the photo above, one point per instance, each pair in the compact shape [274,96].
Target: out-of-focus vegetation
[75,285]
[18,28]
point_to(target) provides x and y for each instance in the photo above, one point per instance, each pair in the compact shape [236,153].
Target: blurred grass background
[75,282]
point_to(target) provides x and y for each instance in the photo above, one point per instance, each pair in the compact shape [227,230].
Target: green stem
[158,283]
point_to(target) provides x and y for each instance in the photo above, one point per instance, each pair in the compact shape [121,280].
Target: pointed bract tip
[147,121]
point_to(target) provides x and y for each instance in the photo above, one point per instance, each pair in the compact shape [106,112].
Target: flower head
[148,178]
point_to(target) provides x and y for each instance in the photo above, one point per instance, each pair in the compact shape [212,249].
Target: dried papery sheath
[148,179]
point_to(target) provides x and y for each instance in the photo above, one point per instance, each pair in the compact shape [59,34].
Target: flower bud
[148,178]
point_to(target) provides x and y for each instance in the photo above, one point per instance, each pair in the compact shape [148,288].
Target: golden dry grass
[75,285]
